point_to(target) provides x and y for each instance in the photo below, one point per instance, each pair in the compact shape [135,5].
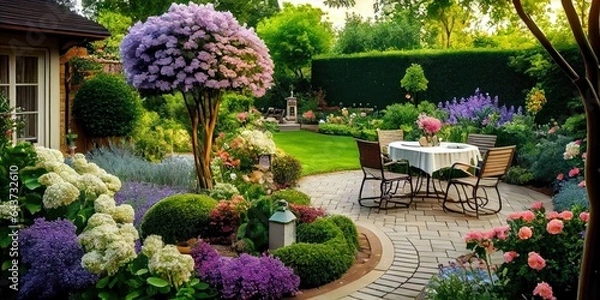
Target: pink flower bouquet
[429,125]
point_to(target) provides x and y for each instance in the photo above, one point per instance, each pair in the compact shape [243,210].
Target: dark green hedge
[374,78]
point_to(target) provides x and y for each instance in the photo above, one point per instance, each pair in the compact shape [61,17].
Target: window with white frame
[22,82]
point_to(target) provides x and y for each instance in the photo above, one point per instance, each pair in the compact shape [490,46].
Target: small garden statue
[201,53]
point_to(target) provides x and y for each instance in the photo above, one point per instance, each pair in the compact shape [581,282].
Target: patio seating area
[422,236]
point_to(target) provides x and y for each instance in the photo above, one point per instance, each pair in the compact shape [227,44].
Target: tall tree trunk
[588,86]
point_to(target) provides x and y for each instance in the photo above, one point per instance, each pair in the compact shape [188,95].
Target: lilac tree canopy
[193,47]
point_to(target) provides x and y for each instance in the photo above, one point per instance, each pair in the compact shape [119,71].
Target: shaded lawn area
[319,153]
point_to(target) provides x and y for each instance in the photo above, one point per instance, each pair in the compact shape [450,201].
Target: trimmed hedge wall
[374,78]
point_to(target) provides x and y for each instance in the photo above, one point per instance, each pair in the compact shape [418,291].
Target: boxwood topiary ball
[178,218]
[106,106]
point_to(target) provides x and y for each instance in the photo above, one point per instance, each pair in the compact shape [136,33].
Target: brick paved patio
[421,236]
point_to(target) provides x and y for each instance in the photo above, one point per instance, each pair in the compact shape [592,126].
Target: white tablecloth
[431,159]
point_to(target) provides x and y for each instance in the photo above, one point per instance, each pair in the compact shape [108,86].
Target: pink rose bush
[541,250]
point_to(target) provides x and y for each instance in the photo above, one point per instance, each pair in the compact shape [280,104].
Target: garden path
[419,238]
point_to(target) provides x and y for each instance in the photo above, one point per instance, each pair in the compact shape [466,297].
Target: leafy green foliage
[254,231]
[134,281]
[155,137]
[348,228]
[387,34]
[570,195]
[318,232]
[179,217]
[286,170]
[295,35]
[117,24]
[291,196]
[321,246]
[414,79]
[518,175]
[105,106]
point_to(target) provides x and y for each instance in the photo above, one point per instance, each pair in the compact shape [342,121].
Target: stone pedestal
[292,108]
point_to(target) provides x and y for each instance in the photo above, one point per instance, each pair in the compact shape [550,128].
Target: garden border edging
[385,261]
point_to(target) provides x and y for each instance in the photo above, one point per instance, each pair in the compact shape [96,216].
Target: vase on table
[429,140]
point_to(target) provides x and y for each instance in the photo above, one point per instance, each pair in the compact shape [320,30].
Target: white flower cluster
[571,150]
[167,262]
[66,184]
[259,141]
[7,211]
[108,244]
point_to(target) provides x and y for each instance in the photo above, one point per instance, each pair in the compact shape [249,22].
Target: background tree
[295,35]
[414,81]
[588,85]
[201,53]
[394,33]
[117,24]
[248,12]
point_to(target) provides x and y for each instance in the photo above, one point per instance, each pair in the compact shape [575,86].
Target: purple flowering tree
[201,53]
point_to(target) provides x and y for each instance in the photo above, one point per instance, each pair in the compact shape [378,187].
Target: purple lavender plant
[480,109]
[141,196]
[53,255]
[246,277]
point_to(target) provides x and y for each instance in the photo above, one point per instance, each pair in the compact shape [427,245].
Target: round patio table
[431,159]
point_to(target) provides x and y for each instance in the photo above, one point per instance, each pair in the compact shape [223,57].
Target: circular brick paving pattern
[423,235]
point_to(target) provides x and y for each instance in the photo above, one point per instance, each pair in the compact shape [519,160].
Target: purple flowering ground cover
[141,196]
[245,277]
[53,255]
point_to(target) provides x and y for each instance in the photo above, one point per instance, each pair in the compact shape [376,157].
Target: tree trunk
[588,86]
[589,277]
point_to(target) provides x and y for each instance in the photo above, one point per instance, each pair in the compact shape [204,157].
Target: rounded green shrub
[317,232]
[291,196]
[179,217]
[321,246]
[348,228]
[329,259]
[106,106]
[286,170]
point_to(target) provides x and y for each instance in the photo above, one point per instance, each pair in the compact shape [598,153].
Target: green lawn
[319,153]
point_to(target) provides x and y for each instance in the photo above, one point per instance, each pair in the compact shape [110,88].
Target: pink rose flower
[535,261]
[510,255]
[502,232]
[560,176]
[525,233]
[514,216]
[566,215]
[528,216]
[552,215]
[473,236]
[574,172]
[581,184]
[584,216]
[555,226]
[489,234]
[543,290]
[537,205]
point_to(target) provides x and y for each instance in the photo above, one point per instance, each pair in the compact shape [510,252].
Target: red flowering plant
[542,252]
[307,213]
[226,217]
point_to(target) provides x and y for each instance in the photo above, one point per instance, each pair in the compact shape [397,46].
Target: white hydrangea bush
[258,141]
[166,262]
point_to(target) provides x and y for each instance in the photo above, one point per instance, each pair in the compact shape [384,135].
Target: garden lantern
[264,161]
[282,227]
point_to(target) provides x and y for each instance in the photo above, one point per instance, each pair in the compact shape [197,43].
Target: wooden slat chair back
[385,137]
[497,161]
[471,190]
[482,141]
[373,167]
